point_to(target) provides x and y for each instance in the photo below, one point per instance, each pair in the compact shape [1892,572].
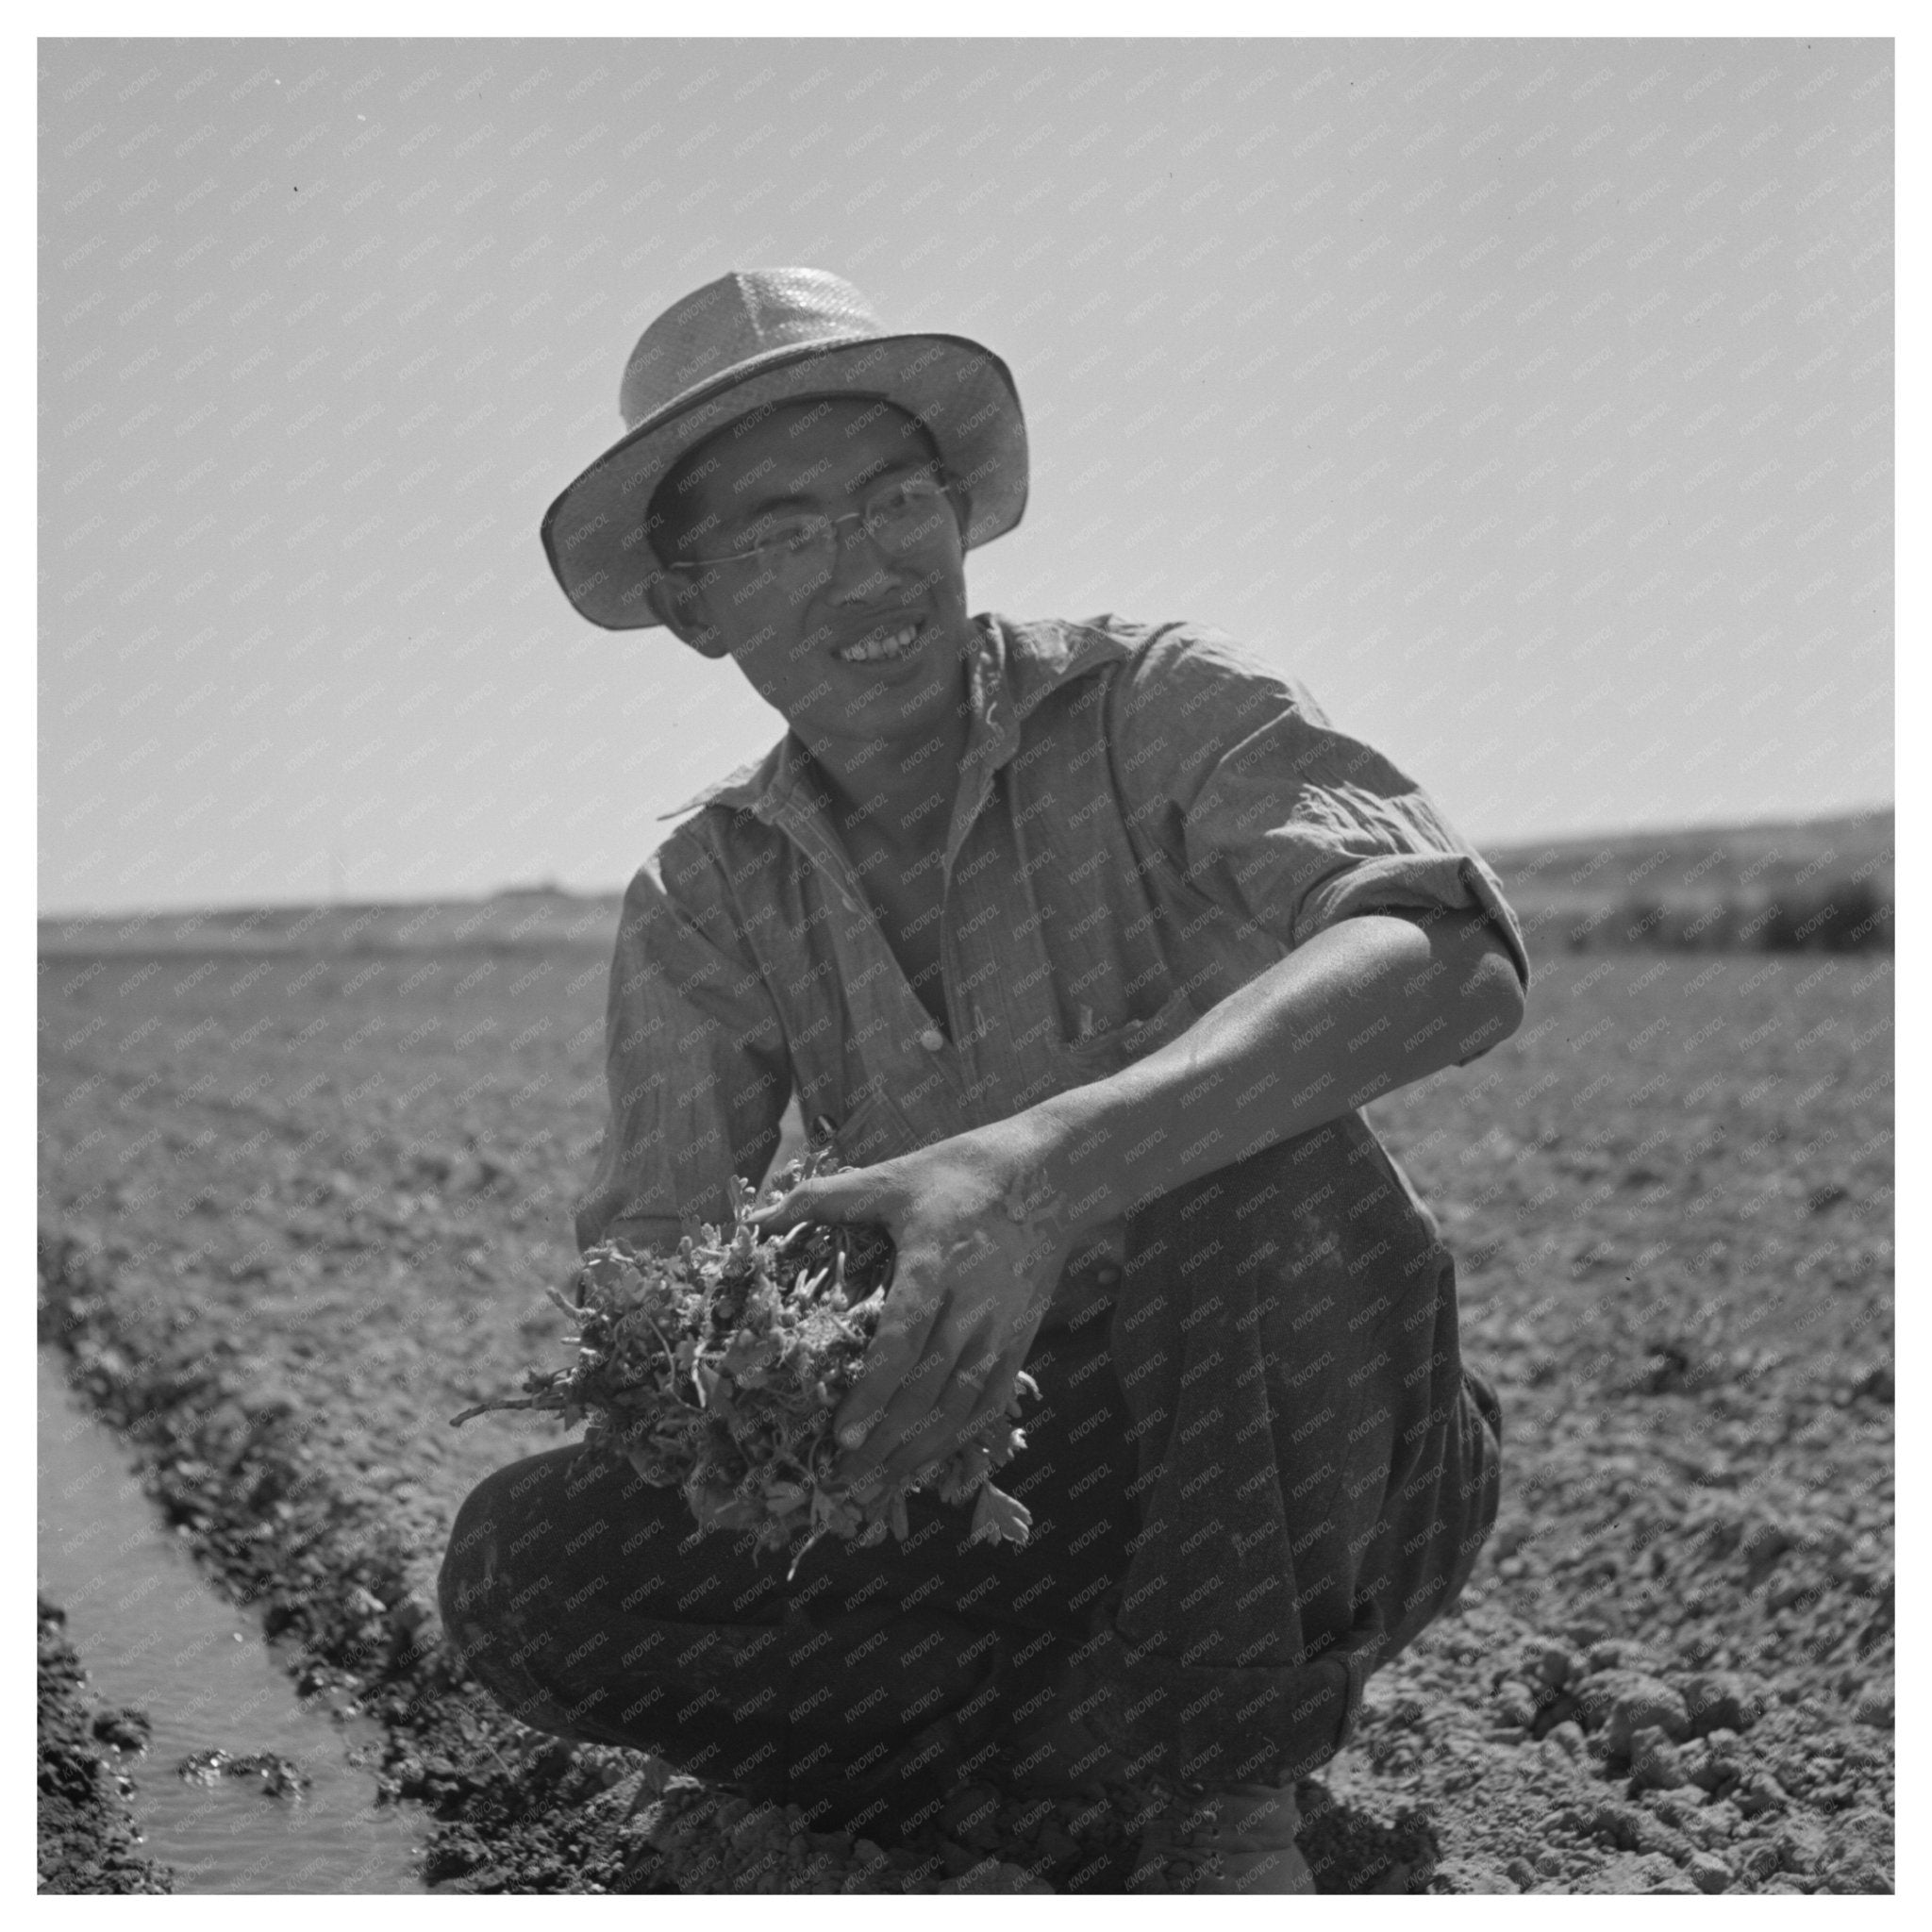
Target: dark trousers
[1253,1480]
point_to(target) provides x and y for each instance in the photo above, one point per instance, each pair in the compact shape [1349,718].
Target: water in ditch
[152,1633]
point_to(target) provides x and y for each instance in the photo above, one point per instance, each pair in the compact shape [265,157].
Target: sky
[1531,401]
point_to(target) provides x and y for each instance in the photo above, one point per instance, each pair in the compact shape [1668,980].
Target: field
[298,1206]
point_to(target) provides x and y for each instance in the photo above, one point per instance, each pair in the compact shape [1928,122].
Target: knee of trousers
[492,1591]
[476,1582]
[1452,1505]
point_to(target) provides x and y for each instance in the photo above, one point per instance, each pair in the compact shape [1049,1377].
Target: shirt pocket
[873,1130]
[1096,1056]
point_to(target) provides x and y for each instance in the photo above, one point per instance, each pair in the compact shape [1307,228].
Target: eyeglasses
[898,518]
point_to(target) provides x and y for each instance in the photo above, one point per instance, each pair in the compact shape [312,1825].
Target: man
[1091,939]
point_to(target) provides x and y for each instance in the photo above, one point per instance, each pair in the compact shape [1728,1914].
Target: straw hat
[764,336]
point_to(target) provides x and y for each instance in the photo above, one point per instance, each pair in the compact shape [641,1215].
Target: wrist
[1070,1157]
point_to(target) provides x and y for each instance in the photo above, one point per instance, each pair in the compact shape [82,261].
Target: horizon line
[1517,848]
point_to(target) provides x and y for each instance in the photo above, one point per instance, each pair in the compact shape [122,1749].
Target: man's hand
[980,1250]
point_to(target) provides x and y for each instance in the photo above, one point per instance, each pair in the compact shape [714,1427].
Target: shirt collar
[1014,668]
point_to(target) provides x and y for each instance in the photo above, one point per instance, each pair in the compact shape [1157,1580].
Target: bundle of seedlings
[718,1370]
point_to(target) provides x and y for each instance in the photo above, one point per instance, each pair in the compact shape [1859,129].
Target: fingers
[897,1354]
[799,1204]
[835,1199]
[931,1372]
[937,1407]
[996,1391]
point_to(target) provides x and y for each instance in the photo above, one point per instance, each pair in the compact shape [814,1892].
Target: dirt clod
[1874,1708]
[1624,1702]
[1721,1700]
[126,1731]
[273,1775]
[1655,1764]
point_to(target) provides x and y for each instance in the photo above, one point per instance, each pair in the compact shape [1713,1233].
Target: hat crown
[748,342]
[740,318]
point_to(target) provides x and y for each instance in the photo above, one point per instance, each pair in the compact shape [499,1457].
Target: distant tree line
[1845,914]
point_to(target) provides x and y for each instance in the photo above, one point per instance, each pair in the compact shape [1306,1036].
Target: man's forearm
[1369,1005]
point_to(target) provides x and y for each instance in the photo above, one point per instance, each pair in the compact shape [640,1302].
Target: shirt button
[932,1040]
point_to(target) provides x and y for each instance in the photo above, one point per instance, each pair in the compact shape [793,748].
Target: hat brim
[594,534]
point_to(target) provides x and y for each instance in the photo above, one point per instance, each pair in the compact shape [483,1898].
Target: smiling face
[859,643]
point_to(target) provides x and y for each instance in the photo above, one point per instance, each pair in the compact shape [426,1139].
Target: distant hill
[1705,885]
[1708,854]
[1823,883]
[534,919]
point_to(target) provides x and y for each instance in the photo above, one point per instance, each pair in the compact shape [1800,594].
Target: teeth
[893,646]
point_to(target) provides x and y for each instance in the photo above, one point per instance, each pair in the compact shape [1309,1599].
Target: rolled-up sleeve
[1270,812]
[695,1059]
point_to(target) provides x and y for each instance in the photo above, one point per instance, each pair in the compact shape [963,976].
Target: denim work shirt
[1147,817]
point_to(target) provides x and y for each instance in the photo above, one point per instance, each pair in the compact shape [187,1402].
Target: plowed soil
[296,1211]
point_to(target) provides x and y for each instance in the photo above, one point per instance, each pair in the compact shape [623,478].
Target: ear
[680,607]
